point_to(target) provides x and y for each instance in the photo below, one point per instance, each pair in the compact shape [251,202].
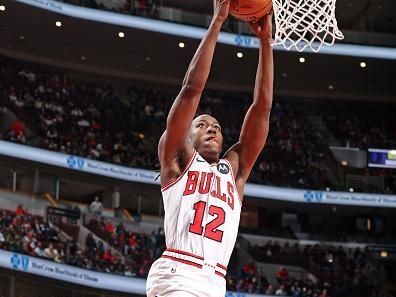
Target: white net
[305,24]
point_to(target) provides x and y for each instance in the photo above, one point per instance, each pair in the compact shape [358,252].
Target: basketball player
[202,193]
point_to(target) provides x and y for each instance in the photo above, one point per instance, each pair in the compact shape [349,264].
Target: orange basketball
[250,10]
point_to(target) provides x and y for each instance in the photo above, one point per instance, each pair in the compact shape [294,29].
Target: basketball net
[302,24]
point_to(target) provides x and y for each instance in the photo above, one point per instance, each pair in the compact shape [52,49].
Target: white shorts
[168,278]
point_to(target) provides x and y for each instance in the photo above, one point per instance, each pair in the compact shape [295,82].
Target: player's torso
[202,211]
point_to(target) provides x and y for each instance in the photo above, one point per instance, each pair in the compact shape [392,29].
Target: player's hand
[263,27]
[221,9]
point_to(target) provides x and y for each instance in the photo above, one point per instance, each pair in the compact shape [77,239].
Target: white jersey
[202,213]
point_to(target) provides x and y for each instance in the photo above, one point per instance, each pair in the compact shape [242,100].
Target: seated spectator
[110,228]
[108,257]
[128,271]
[354,268]
[19,211]
[38,251]
[1,238]
[281,291]
[270,290]
[93,222]
[52,253]
[249,268]
[90,243]
[282,275]
[324,293]
[16,133]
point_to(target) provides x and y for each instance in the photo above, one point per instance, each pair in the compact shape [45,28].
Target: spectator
[269,290]
[90,243]
[52,253]
[355,272]
[249,268]
[19,211]
[281,291]
[109,227]
[324,293]
[108,257]
[96,207]
[96,126]
[38,251]
[282,275]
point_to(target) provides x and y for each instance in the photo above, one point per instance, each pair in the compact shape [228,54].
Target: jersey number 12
[211,230]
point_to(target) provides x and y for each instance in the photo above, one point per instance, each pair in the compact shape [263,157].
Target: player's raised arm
[174,146]
[256,123]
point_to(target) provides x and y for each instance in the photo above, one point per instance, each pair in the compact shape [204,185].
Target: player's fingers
[254,26]
[257,25]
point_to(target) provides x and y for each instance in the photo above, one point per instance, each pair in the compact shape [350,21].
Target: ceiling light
[181,44]
[284,74]
[21,37]
[368,225]
[2,8]
[301,60]
[121,34]
[58,24]
[83,58]
[351,190]
[384,254]
[363,64]
[148,58]
[331,87]
[239,55]
[344,163]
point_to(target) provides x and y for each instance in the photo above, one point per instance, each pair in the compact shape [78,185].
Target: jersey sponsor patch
[223,168]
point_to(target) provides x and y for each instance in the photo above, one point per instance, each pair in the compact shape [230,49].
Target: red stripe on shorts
[182,261]
[184,253]
[222,266]
[220,274]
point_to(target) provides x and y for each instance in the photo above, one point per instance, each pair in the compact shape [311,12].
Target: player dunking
[202,193]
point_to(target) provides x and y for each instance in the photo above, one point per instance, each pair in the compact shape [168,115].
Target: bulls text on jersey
[202,182]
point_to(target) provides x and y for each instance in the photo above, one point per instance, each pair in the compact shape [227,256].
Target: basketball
[250,10]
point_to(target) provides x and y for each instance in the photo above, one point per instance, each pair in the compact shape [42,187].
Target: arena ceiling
[30,33]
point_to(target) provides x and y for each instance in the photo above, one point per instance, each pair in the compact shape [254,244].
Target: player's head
[205,136]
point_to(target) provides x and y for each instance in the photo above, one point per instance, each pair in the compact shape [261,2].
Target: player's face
[205,135]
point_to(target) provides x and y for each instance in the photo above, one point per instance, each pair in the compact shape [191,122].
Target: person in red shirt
[17,127]
[19,211]
[133,241]
[109,227]
[282,275]
[249,268]
[107,255]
